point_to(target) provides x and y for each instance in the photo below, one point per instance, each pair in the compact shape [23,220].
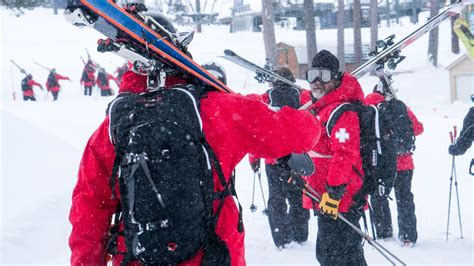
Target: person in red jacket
[407,232]
[338,163]
[88,78]
[27,87]
[52,84]
[103,82]
[287,218]
[233,125]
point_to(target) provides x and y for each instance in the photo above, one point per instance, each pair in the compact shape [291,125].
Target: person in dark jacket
[286,215]
[103,82]
[338,163]
[120,71]
[27,88]
[233,125]
[466,136]
[407,232]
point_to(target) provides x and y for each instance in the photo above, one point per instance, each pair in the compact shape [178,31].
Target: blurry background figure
[88,78]
[103,83]
[27,88]
[52,84]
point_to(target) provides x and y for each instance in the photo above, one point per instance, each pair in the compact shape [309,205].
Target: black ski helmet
[216,70]
[285,72]
[162,20]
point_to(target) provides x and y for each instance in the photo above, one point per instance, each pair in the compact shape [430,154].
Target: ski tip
[229,52]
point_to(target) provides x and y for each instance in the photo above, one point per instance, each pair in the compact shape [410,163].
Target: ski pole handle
[451,137]
[455,128]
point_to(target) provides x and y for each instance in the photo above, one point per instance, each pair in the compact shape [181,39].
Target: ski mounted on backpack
[139,38]
[263,74]
[22,70]
[46,68]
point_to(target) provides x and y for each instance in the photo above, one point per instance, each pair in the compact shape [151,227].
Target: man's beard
[318,94]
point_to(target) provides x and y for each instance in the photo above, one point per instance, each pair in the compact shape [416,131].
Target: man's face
[319,88]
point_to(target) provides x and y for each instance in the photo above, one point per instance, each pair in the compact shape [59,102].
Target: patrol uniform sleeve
[276,134]
[92,204]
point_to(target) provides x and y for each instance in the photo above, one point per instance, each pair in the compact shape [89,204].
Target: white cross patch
[342,135]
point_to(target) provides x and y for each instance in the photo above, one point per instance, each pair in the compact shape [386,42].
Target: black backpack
[399,126]
[101,79]
[24,84]
[378,153]
[52,80]
[85,77]
[279,97]
[165,178]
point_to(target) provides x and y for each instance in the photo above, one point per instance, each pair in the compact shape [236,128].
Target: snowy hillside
[42,142]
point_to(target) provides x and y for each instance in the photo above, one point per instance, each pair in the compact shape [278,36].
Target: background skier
[27,84]
[407,232]
[286,215]
[88,78]
[52,84]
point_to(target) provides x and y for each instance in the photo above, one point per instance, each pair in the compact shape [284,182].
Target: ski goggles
[322,74]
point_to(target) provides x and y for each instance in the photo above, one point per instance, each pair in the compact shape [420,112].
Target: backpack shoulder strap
[336,113]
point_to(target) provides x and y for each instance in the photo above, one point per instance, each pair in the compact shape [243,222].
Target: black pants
[106,92]
[339,244]
[87,90]
[288,219]
[31,98]
[405,207]
[55,95]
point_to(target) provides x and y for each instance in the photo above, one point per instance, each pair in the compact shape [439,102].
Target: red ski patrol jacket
[234,125]
[30,85]
[56,86]
[404,161]
[335,157]
[304,98]
[89,79]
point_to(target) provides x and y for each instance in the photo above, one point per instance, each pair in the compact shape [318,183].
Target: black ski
[262,74]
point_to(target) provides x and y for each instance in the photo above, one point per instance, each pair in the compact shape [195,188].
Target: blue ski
[131,37]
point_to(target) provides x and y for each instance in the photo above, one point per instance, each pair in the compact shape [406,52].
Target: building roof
[457,61]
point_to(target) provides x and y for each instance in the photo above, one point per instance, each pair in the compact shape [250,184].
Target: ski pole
[13,84]
[456,185]
[451,136]
[314,195]
[265,210]
[253,207]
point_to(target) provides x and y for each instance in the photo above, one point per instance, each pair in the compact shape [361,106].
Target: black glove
[471,171]
[329,204]
[255,166]
[454,150]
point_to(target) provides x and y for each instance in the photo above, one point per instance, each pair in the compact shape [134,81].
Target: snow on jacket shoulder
[234,125]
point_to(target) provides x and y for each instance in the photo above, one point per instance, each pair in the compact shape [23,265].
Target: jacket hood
[348,91]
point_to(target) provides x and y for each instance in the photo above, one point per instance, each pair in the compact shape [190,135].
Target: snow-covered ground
[41,143]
